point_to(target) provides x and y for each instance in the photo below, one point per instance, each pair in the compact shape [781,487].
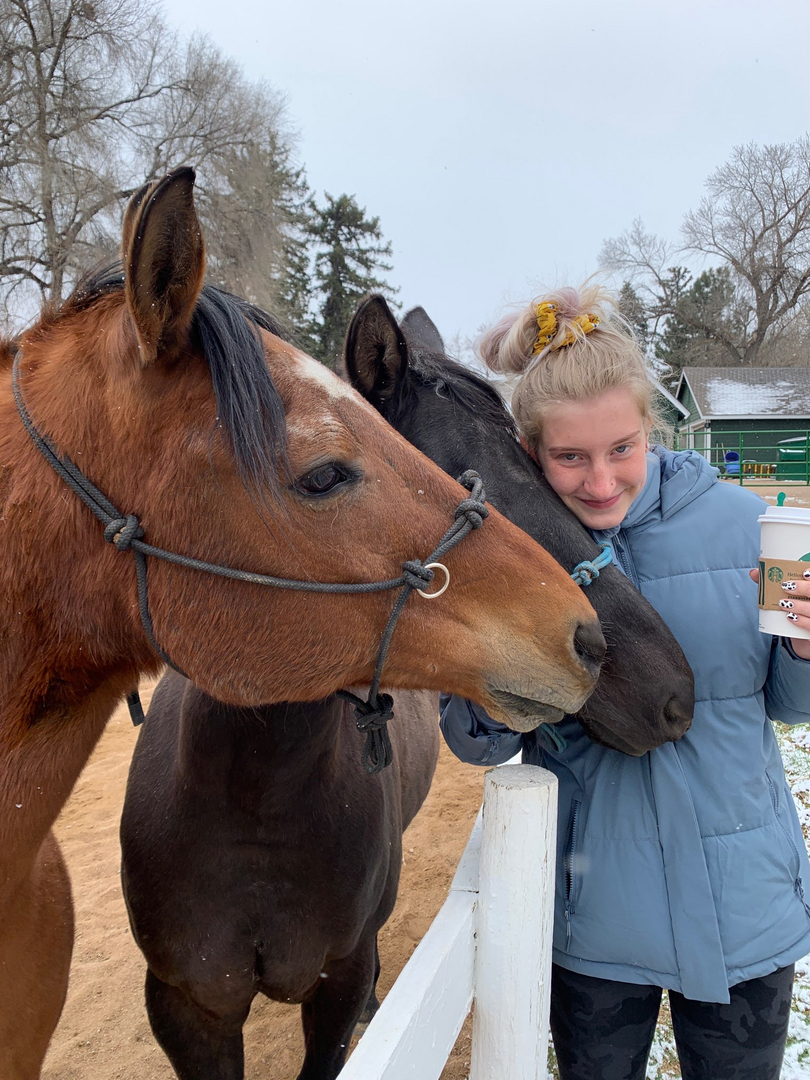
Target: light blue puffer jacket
[685,868]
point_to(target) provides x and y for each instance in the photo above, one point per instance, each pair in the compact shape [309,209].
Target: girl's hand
[797,612]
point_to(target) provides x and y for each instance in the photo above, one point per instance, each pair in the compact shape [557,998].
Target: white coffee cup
[784,557]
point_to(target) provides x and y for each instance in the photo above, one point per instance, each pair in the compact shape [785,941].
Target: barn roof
[753,392]
[662,390]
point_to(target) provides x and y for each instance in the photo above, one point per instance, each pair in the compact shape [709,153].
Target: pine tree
[707,304]
[351,253]
[257,215]
[674,340]
[295,285]
[634,310]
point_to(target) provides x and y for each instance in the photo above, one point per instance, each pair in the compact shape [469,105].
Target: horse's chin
[520,713]
[603,736]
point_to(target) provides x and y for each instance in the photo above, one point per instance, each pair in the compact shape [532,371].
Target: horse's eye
[322,479]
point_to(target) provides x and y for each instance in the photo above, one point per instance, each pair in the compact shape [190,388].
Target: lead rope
[125,532]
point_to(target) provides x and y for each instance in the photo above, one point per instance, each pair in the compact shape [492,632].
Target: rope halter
[126,533]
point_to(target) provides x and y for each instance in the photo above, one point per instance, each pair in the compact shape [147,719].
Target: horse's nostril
[589,645]
[677,715]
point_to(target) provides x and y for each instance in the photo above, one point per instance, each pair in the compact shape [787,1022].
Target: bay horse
[208,434]
[258,857]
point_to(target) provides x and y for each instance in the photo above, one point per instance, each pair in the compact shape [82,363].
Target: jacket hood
[674,479]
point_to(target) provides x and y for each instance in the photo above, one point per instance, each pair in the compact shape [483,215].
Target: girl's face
[593,455]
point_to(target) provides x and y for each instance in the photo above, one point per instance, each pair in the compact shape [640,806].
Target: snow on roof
[749,391]
[662,390]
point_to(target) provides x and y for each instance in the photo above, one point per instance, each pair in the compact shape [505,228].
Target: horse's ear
[421,331]
[130,216]
[164,262]
[376,353]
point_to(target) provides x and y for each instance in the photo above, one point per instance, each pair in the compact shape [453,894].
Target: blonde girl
[684,869]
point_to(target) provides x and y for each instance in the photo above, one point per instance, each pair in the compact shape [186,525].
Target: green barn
[751,422]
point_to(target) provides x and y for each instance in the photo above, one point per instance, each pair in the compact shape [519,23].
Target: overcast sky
[500,143]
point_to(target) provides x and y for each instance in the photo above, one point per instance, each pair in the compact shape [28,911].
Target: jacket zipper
[620,550]
[568,862]
[798,886]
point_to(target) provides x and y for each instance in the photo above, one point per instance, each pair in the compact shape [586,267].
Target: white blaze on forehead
[336,388]
[320,373]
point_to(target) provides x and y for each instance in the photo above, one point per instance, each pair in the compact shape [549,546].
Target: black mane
[249,408]
[453,380]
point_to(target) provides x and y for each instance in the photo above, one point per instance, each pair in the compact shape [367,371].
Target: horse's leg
[36,941]
[372,1005]
[200,1045]
[329,1018]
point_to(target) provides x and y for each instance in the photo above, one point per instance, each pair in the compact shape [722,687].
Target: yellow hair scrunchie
[547,328]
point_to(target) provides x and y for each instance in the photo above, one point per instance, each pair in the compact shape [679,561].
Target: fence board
[418,1023]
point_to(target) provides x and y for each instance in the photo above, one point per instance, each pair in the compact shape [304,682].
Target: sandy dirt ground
[104,1033]
[795,494]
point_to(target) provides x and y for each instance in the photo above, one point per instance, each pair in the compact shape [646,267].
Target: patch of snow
[724,396]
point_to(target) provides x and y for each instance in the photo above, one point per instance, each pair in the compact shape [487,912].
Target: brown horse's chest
[270,915]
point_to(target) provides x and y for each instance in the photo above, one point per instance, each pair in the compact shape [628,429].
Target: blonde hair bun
[509,346]
[567,345]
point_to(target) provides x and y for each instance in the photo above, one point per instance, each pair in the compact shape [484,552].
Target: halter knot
[371,721]
[370,718]
[122,531]
[587,571]
[416,574]
[473,510]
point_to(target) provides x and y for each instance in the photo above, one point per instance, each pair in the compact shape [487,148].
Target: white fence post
[514,925]
[491,940]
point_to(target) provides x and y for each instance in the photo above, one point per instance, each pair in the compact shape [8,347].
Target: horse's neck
[65,625]
[272,748]
[54,703]
[40,762]
[60,630]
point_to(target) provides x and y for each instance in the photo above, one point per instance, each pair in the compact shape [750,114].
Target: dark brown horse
[173,398]
[645,693]
[258,857]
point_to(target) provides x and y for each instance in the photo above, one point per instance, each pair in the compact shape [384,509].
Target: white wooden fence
[490,944]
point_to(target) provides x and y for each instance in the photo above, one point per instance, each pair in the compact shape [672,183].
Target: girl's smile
[593,454]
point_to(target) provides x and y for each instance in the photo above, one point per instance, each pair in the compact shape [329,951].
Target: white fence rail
[490,943]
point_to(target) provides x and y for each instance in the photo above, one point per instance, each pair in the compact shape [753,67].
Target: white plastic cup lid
[785,515]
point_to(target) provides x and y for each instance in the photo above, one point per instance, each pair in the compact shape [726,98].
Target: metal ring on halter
[436,566]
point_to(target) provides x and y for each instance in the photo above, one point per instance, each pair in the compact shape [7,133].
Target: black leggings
[603,1030]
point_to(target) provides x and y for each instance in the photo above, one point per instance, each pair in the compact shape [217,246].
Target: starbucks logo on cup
[775,574]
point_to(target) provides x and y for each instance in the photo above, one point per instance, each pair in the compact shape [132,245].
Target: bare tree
[792,347]
[754,221]
[96,97]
